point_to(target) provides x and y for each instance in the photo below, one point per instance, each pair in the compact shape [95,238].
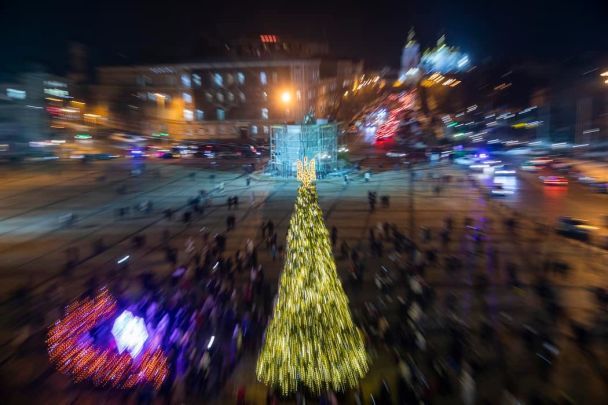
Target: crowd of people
[445,343]
[454,343]
[208,309]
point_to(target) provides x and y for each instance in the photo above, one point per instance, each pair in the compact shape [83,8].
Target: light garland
[72,351]
[311,340]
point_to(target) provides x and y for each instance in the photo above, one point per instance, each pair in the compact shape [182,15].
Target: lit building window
[221,114]
[242,97]
[230,96]
[217,79]
[159,96]
[188,116]
[220,97]
[266,129]
[265,96]
[186,80]
[209,97]
[197,80]
[240,77]
[263,78]
[187,98]
[229,79]
[200,115]
[254,130]
[264,113]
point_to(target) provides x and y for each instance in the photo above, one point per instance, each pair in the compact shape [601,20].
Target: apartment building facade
[221,99]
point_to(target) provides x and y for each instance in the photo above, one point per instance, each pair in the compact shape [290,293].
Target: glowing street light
[286,97]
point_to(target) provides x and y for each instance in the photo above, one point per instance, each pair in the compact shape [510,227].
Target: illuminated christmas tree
[311,341]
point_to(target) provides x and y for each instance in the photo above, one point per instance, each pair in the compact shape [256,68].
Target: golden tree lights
[311,341]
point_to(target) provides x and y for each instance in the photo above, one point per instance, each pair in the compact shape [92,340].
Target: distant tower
[441,41]
[410,57]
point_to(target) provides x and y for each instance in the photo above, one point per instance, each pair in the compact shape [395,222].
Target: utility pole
[412,215]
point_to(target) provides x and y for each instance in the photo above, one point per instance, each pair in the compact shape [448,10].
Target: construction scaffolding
[290,143]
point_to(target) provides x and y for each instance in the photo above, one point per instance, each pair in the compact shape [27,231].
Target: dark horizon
[139,32]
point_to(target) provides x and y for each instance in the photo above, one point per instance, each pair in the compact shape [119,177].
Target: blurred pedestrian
[334,235]
[230,222]
[467,386]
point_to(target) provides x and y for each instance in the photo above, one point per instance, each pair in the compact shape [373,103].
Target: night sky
[142,31]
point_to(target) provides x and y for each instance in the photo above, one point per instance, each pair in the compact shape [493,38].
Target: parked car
[465,161]
[575,228]
[530,167]
[498,190]
[587,179]
[505,170]
[554,180]
[599,187]
[229,154]
[100,156]
[395,154]
[126,138]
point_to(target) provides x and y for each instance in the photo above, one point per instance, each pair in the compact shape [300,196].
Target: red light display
[403,102]
[269,39]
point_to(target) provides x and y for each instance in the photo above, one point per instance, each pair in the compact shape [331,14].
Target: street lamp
[286,100]
[286,97]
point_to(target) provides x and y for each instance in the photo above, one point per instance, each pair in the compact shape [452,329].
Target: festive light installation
[306,172]
[405,101]
[130,333]
[390,127]
[311,341]
[72,350]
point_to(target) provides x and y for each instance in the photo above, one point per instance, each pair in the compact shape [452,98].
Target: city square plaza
[33,244]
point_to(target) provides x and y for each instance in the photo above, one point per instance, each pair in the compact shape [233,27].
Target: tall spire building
[410,57]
